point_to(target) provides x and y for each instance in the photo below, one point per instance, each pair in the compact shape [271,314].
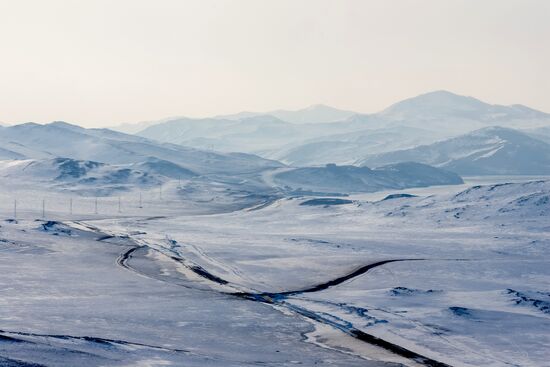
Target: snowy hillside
[60,139]
[74,175]
[489,151]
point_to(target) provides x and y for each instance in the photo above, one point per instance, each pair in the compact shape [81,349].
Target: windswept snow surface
[470,289]
[458,275]
[65,302]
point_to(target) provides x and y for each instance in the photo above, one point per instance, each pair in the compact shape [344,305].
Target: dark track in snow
[279,299]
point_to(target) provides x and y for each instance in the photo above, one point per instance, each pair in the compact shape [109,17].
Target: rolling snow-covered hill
[74,175]
[488,151]
[59,139]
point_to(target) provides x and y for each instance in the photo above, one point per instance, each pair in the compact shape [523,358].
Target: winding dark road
[279,299]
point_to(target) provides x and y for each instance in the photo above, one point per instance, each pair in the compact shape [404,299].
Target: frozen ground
[284,283]
[65,302]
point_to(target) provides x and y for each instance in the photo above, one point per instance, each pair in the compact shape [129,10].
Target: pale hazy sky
[103,62]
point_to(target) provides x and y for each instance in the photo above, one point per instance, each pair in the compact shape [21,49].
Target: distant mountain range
[315,114]
[328,150]
[488,151]
[320,134]
[248,134]
[101,161]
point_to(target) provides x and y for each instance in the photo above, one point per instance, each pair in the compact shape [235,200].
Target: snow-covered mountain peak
[447,105]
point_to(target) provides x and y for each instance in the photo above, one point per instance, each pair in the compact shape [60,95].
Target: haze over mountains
[313,114]
[318,113]
[101,161]
[312,136]
[314,149]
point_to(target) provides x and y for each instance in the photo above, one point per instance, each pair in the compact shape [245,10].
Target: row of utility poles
[95,203]
[119,205]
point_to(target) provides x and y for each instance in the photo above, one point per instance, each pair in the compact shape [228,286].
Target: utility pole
[160,191]
[95,211]
[71,206]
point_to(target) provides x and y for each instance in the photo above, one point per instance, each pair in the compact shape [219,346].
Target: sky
[105,62]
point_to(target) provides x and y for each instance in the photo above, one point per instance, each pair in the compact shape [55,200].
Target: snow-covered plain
[227,280]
